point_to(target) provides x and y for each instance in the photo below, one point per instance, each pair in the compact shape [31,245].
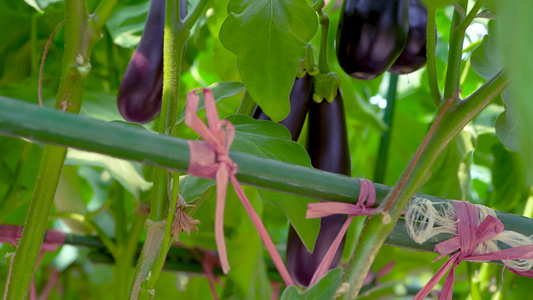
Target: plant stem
[155,249]
[431,39]
[378,227]
[25,257]
[247,105]
[323,65]
[197,11]
[455,52]
[470,17]
[80,36]
[381,165]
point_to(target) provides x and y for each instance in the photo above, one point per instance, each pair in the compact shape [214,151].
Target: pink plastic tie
[210,159]
[363,207]
[469,235]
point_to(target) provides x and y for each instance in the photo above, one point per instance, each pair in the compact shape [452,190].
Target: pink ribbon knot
[363,207]
[469,236]
[211,160]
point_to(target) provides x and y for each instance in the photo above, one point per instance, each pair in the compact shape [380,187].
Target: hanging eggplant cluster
[328,149]
[379,35]
[139,96]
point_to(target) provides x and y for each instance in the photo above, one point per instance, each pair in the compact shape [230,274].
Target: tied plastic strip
[477,233]
[363,207]
[210,159]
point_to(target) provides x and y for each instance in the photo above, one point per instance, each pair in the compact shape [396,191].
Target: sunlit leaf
[269,38]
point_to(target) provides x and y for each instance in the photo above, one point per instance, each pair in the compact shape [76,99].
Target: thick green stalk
[381,165]
[378,226]
[153,255]
[455,52]
[431,39]
[80,36]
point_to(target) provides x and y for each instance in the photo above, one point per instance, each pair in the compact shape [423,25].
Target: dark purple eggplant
[139,96]
[371,35]
[413,56]
[299,99]
[328,148]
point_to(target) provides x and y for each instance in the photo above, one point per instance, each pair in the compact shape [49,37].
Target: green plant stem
[25,257]
[381,165]
[431,39]
[470,16]
[323,65]
[153,255]
[247,105]
[455,52]
[196,13]
[80,36]
[378,226]
[102,12]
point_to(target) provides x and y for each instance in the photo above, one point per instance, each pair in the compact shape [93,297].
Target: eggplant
[140,93]
[328,148]
[301,92]
[413,56]
[371,35]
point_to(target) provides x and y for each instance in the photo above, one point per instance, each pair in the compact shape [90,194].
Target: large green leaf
[324,289]
[220,91]
[272,140]
[516,21]
[269,38]
[509,123]
[126,172]
[486,59]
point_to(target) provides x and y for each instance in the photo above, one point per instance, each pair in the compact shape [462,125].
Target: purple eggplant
[328,148]
[299,99]
[139,96]
[413,56]
[371,35]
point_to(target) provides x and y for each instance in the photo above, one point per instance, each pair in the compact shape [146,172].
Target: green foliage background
[487,163]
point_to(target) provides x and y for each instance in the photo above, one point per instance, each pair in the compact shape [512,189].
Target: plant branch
[155,250]
[455,52]
[79,39]
[381,165]
[470,17]
[197,11]
[378,226]
[102,12]
[431,39]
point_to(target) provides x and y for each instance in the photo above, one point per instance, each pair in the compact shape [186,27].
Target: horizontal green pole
[22,119]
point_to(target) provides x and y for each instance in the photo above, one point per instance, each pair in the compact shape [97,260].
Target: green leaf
[324,289]
[39,5]
[272,140]
[516,21]
[126,23]
[269,38]
[126,172]
[486,59]
[220,91]
[509,122]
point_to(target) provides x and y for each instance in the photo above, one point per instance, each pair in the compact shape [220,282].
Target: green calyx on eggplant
[328,148]
[299,100]
[371,35]
[413,56]
[140,94]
